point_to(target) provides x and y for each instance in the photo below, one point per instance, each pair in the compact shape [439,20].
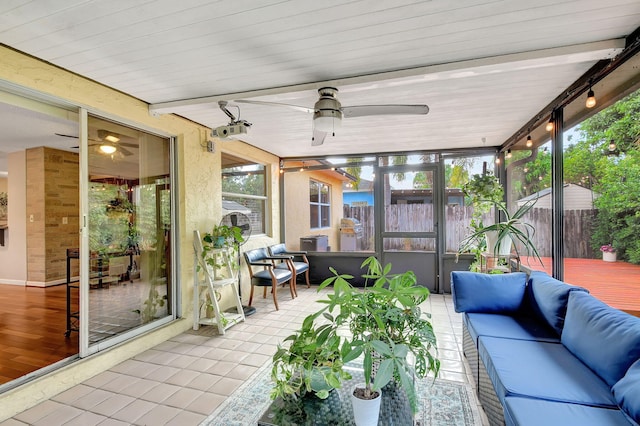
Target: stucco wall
[198,206]
[297,207]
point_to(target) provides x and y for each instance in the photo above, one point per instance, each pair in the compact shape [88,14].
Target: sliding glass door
[128,281]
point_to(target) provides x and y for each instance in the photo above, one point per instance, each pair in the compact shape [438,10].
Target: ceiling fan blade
[66,136]
[362,110]
[296,107]
[123,150]
[129,145]
[318,137]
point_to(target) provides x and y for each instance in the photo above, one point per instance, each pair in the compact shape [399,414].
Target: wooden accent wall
[52,187]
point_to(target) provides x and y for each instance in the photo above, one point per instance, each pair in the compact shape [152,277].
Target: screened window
[320,204]
[244,190]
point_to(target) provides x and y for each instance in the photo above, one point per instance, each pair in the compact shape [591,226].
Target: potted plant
[387,329]
[221,236]
[313,361]
[608,253]
[510,229]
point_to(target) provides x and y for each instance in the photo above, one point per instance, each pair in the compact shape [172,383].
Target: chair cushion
[627,392]
[549,298]
[604,338]
[536,412]
[475,292]
[264,277]
[541,370]
[510,327]
[300,266]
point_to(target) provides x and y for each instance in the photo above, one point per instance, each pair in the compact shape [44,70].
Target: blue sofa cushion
[475,292]
[604,338]
[549,298]
[541,370]
[536,412]
[510,327]
[627,392]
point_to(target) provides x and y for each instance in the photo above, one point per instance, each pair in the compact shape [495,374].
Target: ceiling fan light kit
[107,148]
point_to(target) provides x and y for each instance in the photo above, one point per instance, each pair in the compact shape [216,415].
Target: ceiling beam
[524,60]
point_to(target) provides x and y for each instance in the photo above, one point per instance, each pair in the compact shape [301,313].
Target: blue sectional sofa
[547,353]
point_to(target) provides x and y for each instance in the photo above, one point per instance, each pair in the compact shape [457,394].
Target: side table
[336,409]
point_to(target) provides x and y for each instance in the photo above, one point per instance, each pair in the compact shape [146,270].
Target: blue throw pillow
[627,392]
[549,298]
[475,292]
[605,339]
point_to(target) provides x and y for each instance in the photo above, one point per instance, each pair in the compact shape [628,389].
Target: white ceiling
[484,67]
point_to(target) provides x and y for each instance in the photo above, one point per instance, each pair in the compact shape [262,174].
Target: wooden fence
[418,217]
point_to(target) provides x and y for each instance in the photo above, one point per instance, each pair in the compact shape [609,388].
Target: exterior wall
[198,206]
[297,206]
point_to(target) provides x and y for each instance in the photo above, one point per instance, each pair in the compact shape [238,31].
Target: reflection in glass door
[409,226]
[129,224]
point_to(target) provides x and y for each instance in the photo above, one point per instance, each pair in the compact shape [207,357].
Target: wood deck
[615,283]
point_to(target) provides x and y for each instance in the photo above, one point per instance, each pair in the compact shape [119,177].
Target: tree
[616,178]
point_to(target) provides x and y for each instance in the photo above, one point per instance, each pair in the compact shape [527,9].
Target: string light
[529,141]
[497,160]
[550,124]
[612,145]
[508,154]
[591,98]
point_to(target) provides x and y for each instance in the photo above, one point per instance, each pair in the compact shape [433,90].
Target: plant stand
[489,263]
[214,279]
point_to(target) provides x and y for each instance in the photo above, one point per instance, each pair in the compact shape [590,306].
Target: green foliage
[618,218]
[313,361]
[386,325]
[616,178]
[512,226]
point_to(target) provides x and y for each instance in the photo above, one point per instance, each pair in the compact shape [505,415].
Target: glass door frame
[437,198]
[85,349]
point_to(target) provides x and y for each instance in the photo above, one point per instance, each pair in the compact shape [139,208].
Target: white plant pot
[504,249]
[609,256]
[365,411]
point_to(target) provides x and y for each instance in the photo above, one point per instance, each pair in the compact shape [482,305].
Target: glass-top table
[395,409]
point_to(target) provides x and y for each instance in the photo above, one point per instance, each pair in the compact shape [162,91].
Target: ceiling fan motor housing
[327,112]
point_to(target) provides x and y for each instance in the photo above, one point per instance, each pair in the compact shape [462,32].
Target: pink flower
[608,248]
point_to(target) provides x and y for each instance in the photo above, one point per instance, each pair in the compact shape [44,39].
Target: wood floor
[615,283]
[32,329]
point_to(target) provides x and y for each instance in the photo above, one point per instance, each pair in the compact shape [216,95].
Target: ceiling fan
[107,142]
[328,112]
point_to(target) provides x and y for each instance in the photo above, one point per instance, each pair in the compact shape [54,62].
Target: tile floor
[183,380]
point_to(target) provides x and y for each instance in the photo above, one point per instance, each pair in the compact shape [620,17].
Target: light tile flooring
[183,380]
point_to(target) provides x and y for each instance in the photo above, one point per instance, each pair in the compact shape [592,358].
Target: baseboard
[13,282]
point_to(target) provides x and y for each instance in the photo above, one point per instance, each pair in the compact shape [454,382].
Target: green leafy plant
[511,226]
[313,361]
[221,236]
[386,324]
